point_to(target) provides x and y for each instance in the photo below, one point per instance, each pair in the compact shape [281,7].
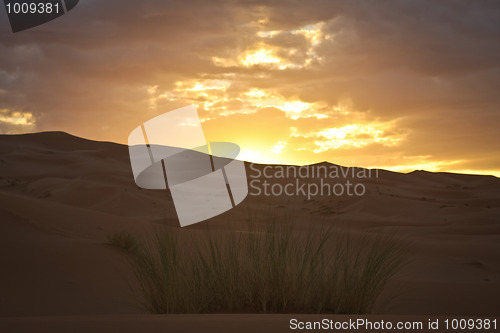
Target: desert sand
[60,196]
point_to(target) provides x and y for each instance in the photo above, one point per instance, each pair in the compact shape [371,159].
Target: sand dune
[60,196]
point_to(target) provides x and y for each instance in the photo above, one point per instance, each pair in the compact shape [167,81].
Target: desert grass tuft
[272,267]
[123,240]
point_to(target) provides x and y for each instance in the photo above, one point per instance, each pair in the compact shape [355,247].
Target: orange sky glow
[399,87]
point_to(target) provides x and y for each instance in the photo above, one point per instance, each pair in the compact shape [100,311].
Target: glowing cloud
[351,136]
[263,53]
[261,56]
[16,120]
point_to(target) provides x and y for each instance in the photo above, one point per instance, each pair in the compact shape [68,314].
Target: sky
[398,85]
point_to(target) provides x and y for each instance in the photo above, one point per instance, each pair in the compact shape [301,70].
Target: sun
[251,155]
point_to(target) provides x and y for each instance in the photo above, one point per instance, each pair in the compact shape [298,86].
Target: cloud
[12,122]
[416,81]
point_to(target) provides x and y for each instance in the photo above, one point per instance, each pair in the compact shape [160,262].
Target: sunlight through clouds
[12,121]
[261,56]
[294,108]
[312,133]
[252,155]
[352,136]
[345,82]
[263,53]
[278,147]
[213,96]
[16,117]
